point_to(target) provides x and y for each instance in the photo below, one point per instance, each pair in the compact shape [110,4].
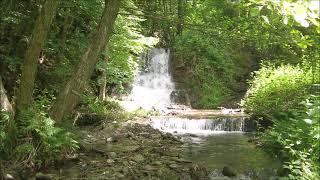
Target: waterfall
[153,85]
[200,126]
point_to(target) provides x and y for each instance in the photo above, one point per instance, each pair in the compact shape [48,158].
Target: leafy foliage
[296,140]
[279,94]
[275,90]
[110,109]
[35,142]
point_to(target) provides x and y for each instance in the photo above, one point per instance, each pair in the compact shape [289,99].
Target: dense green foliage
[288,98]
[275,90]
[216,45]
[35,143]
[296,140]
[38,140]
[223,48]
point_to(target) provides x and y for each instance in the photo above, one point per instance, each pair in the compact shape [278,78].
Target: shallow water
[232,150]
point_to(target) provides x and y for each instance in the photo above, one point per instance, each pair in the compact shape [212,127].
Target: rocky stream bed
[132,151]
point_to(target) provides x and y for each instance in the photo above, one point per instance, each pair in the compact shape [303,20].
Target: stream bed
[234,151]
[221,143]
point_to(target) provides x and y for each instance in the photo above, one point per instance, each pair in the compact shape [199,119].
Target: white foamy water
[152,86]
[200,126]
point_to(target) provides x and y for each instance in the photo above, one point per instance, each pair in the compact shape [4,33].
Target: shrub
[36,141]
[109,110]
[296,140]
[274,90]
[212,95]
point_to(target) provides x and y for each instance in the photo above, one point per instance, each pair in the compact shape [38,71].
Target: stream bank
[131,151]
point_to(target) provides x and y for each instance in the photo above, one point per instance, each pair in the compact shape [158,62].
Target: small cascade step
[201,126]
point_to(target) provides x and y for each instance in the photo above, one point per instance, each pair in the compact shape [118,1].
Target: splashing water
[153,85]
[200,126]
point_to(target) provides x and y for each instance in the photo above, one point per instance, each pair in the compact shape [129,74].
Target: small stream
[221,142]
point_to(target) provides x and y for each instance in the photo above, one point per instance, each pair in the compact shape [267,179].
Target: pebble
[110,161]
[173,166]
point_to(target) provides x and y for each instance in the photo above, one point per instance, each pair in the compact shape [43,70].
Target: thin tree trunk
[103,78]
[180,17]
[69,96]
[29,68]
[103,86]
[4,101]
[68,19]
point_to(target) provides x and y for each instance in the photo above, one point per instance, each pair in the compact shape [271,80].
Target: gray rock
[157,163]
[8,177]
[228,171]
[41,176]
[112,155]
[129,134]
[149,168]
[173,166]
[110,161]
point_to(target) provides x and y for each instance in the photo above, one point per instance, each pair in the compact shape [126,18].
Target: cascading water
[200,126]
[153,85]
[151,90]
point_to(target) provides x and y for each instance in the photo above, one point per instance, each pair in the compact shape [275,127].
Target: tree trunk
[69,96]
[4,101]
[29,68]
[103,78]
[103,86]
[180,17]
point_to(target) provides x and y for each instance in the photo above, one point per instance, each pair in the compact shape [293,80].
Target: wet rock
[8,177]
[191,135]
[228,171]
[141,152]
[41,176]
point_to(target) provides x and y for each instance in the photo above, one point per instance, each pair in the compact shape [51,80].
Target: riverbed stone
[110,161]
[112,155]
[41,176]
[173,166]
[145,154]
[8,177]
[228,171]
